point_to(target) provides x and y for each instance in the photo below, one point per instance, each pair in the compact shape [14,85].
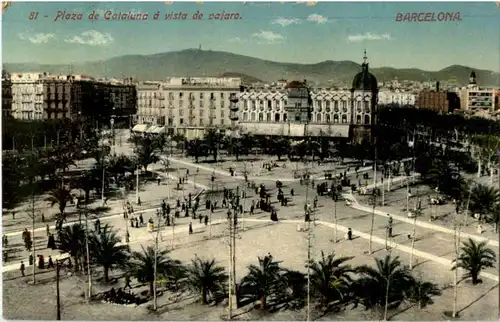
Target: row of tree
[334,283]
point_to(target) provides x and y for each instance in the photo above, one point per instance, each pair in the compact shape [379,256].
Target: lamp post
[137,184]
[59,263]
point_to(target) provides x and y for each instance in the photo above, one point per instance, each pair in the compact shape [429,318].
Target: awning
[158,129]
[140,128]
[151,129]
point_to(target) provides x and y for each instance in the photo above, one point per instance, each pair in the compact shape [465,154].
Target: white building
[331,112]
[186,105]
[477,101]
[396,97]
[27,95]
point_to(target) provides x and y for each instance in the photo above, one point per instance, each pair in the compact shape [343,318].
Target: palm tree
[105,250]
[483,200]
[206,278]
[330,279]
[89,180]
[143,264]
[146,154]
[295,286]
[474,258]
[421,293]
[60,196]
[72,241]
[262,280]
[385,285]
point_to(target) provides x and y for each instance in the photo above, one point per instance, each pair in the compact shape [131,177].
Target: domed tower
[364,93]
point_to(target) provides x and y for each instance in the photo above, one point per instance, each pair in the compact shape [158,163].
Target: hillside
[194,62]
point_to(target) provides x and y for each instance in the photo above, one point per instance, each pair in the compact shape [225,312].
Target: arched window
[253,117]
[367,119]
[277,117]
[268,117]
[261,117]
[328,118]
[318,118]
[344,118]
[335,118]
[245,116]
[358,119]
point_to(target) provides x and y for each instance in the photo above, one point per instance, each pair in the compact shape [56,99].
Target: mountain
[194,62]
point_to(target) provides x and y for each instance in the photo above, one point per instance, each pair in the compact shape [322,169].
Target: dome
[364,81]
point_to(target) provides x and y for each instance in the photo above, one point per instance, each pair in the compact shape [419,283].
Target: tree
[60,196]
[386,283]
[146,154]
[483,200]
[72,241]
[89,180]
[196,148]
[206,278]
[213,139]
[143,263]
[421,293]
[474,258]
[105,250]
[330,279]
[262,280]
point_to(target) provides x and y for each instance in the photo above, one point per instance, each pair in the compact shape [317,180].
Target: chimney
[437,86]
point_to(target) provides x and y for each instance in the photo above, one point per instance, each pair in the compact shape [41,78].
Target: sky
[284,32]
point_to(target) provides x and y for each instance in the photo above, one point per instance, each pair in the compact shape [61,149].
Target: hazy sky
[287,32]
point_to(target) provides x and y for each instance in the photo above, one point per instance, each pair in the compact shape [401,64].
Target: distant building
[186,105]
[301,111]
[6,95]
[38,96]
[401,98]
[476,101]
[437,100]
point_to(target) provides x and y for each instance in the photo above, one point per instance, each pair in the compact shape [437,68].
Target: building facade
[328,112]
[6,95]
[401,98]
[476,101]
[39,96]
[187,105]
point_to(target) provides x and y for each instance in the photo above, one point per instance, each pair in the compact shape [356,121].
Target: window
[212,96]
[328,118]
[358,119]
[180,95]
[252,116]
[277,117]
[245,104]
[269,105]
[201,96]
[181,121]
[367,119]
[344,118]
[297,117]
[245,116]
[285,117]
[318,118]
[268,117]
[298,105]
[261,117]
[221,95]
[222,121]
[221,113]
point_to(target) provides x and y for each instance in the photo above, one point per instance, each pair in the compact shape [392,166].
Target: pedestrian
[141,220]
[159,180]
[5,241]
[127,282]
[41,262]
[50,263]
[349,234]
[390,226]
[139,201]
[127,237]
[22,268]
[51,242]
[190,228]
[206,220]
[30,260]
[47,230]
[201,218]
[136,222]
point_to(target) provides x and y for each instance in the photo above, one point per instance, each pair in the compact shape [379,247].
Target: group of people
[41,263]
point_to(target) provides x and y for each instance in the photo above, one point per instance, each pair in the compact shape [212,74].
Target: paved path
[418,223]
[375,239]
[256,178]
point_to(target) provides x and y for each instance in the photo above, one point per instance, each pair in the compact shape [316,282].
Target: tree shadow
[477,300]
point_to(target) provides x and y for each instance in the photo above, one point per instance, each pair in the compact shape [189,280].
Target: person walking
[30,260]
[191,228]
[22,269]
[47,230]
[141,219]
[206,220]
[50,264]
[349,234]
[139,201]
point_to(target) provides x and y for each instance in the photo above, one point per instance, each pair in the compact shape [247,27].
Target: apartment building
[476,101]
[187,105]
[39,96]
[6,94]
